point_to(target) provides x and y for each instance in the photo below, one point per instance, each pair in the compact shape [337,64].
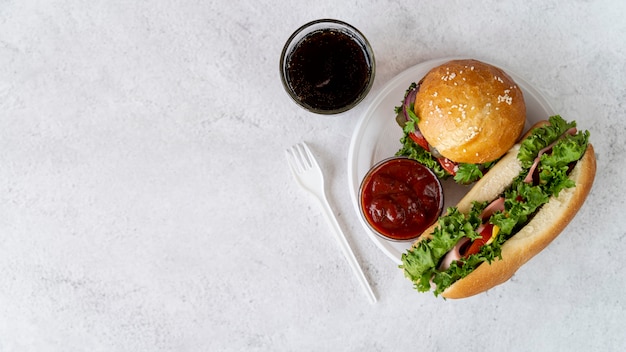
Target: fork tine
[292,160]
[302,156]
[310,157]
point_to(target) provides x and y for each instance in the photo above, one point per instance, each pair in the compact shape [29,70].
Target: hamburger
[460,118]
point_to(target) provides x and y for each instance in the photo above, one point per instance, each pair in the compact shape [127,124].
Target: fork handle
[347,250]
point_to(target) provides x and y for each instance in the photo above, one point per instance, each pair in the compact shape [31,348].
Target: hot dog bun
[546,225]
[470,111]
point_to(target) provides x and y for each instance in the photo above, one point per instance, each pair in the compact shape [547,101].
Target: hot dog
[510,215]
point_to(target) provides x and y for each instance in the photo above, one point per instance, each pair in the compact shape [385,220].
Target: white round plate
[377,136]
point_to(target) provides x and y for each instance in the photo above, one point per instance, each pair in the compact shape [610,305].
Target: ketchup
[400,198]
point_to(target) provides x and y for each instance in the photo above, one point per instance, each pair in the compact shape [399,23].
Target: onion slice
[408,100]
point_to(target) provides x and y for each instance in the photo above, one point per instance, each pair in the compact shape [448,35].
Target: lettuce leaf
[554,167]
[541,138]
[468,173]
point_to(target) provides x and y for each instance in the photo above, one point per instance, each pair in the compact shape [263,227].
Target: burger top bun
[470,111]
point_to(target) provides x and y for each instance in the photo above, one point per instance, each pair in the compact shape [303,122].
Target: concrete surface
[145,204]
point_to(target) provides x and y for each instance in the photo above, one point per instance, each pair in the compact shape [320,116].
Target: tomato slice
[485,236]
[448,165]
[418,138]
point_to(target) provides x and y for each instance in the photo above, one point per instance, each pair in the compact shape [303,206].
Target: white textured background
[145,204]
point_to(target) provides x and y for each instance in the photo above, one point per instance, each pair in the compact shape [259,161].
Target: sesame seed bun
[470,111]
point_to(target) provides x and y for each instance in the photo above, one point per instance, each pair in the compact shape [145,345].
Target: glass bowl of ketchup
[400,198]
[327,66]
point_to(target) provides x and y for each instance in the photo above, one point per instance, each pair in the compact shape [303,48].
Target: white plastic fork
[308,174]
